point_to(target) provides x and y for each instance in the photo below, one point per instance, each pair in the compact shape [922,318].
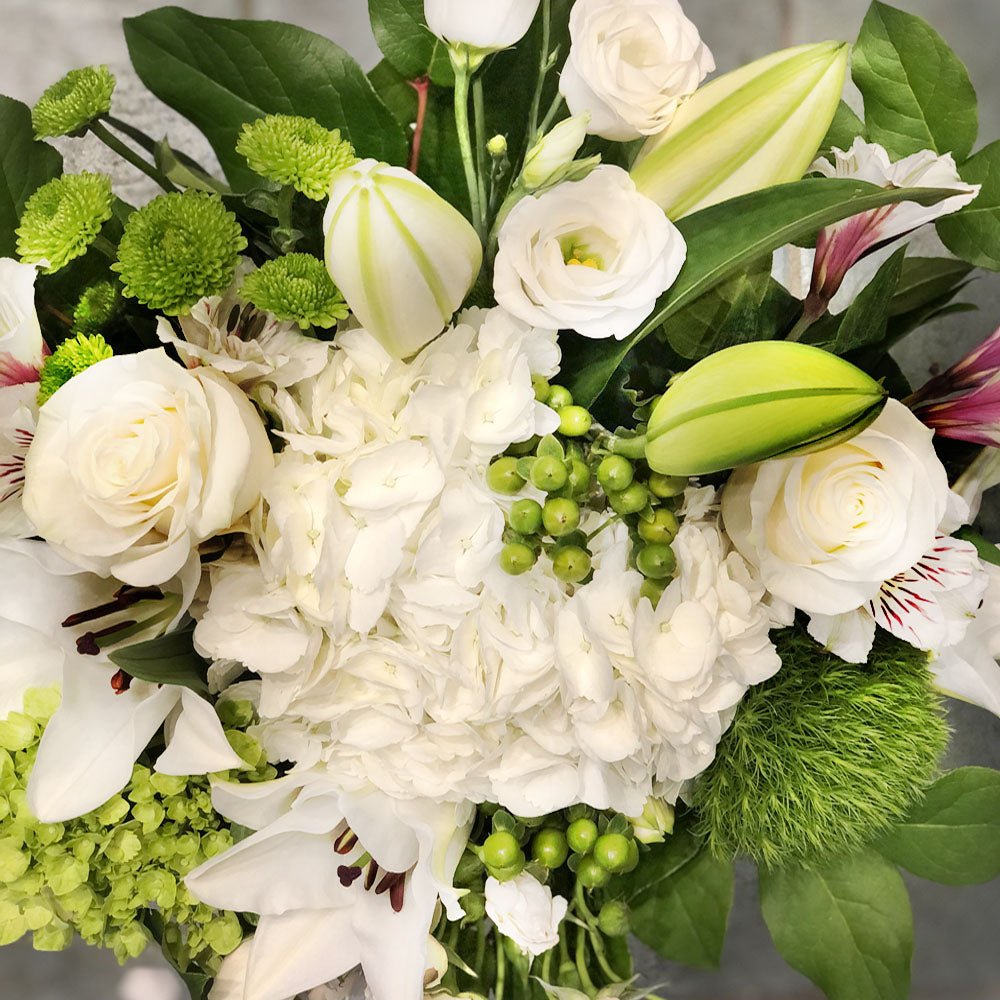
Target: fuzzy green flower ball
[62,218]
[825,756]
[297,151]
[71,103]
[97,307]
[296,287]
[178,249]
[70,358]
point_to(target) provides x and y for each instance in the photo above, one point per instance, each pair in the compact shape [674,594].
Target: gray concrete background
[956,929]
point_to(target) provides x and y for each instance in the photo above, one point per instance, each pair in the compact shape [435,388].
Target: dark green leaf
[220,74]
[953,834]
[974,233]
[25,165]
[988,552]
[724,240]
[406,41]
[917,92]
[395,92]
[658,864]
[867,317]
[686,921]
[170,659]
[844,129]
[924,280]
[847,927]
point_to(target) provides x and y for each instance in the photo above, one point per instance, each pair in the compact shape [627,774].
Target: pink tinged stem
[421,86]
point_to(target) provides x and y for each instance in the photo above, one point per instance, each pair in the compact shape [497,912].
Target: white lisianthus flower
[525,911]
[486,26]
[591,255]
[135,442]
[21,345]
[548,160]
[631,63]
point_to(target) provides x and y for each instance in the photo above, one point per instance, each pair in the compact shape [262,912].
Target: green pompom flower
[71,103]
[97,307]
[62,218]
[824,757]
[296,287]
[296,151]
[70,358]
[178,249]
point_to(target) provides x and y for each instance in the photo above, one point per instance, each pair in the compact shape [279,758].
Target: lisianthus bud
[402,256]
[657,819]
[489,27]
[553,153]
[758,401]
[750,129]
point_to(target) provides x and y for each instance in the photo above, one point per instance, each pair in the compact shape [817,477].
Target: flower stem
[479,109]
[581,961]
[106,247]
[596,940]
[501,969]
[130,155]
[814,307]
[557,103]
[421,86]
[630,447]
[543,72]
[286,198]
[462,76]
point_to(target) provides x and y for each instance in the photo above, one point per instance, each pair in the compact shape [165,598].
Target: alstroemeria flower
[18,418]
[21,346]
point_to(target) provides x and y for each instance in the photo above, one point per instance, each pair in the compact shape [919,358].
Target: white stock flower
[591,255]
[126,476]
[21,345]
[525,911]
[631,64]
[487,26]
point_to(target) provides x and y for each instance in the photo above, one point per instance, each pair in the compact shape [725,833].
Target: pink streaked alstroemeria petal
[14,372]
[970,416]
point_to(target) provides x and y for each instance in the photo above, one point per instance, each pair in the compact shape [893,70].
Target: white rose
[137,460]
[494,25]
[631,63]
[21,346]
[591,256]
[827,529]
[526,911]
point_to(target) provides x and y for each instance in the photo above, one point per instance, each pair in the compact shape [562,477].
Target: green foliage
[221,74]
[408,44]
[973,234]
[916,91]
[296,287]
[846,926]
[824,757]
[953,834]
[844,129]
[169,659]
[70,358]
[71,103]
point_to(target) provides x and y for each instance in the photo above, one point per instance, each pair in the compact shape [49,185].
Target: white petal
[974,678]
[259,804]
[849,636]
[30,660]
[198,744]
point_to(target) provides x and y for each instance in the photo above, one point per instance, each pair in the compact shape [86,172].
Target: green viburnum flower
[296,151]
[97,307]
[824,757]
[62,218]
[296,287]
[178,249]
[100,876]
[71,103]
[70,358]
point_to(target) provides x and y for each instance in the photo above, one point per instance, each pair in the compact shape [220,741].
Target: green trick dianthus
[97,307]
[825,756]
[296,287]
[297,151]
[62,218]
[178,249]
[70,358]
[71,103]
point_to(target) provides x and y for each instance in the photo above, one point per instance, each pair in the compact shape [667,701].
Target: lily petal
[198,744]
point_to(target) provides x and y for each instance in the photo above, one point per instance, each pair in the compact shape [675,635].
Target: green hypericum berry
[652,590]
[296,151]
[97,307]
[541,386]
[633,858]
[71,103]
[517,558]
[526,517]
[574,421]
[296,287]
[615,473]
[613,919]
[549,474]
[510,871]
[558,397]
[663,527]
[560,516]
[611,851]
[70,358]
[656,562]
[62,218]
[502,476]
[571,563]
[591,875]
[549,848]
[630,500]
[579,477]
[582,835]
[665,487]
[501,849]
[178,249]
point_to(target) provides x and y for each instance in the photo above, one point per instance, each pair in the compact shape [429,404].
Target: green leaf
[686,920]
[183,174]
[867,318]
[170,659]
[844,129]
[406,41]
[953,834]
[988,552]
[924,280]
[722,241]
[25,165]
[220,74]
[656,866]
[394,91]
[916,91]
[847,927]
[974,232]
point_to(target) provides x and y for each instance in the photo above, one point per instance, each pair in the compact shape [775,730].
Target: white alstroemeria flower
[982,475]
[21,346]
[525,911]
[489,27]
[105,720]
[18,417]
[631,64]
[299,873]
[591,255]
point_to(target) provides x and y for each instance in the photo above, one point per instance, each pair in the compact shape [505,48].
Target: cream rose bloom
[136,461]
[525,911]
[631,63]
[827,530]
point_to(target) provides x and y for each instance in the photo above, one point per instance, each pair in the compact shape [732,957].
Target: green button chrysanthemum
[296,287]
[296,151]
[62,218]
[73,102]
[70,358]
[97,306]
[178,249]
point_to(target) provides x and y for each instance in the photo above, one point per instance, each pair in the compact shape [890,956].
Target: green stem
[543,72]
[106,247]
[479,108]
[462,75]
[501,969]
[547,964]
[631,447]
[557,103]
[596,939]
[813,309]
[130,155]
[581,961]
[284,206]
[480,947]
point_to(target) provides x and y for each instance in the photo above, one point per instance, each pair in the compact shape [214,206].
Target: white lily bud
[402,256]
[554,152]
[481,25]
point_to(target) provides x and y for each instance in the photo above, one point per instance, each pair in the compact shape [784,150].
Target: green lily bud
[752,402]
[758,126]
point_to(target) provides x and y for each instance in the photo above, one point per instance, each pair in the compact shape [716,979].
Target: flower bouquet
[442,546]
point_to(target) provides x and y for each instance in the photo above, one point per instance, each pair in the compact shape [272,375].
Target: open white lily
[339,880]
[105,720]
